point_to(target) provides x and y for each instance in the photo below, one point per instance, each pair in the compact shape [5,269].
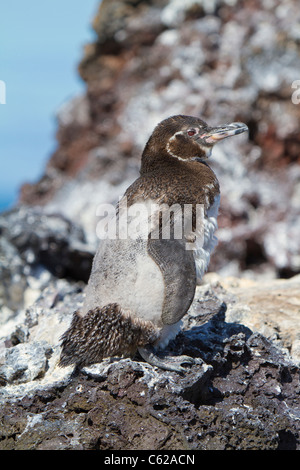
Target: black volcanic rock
[242,393]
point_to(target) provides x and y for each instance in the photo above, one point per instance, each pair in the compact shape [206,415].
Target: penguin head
[188,138]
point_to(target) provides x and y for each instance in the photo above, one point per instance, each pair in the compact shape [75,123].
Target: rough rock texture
[36,247]
[243,392]
[223,60]
[271,307]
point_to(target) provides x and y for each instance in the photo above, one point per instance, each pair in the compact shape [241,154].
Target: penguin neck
[153,160]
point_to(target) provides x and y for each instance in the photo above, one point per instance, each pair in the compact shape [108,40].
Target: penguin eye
[191,132]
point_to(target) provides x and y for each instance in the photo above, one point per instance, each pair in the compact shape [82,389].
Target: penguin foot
[171,363]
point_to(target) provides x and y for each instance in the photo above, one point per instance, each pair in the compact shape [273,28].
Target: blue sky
[41,44]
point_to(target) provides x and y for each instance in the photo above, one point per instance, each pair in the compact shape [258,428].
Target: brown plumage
[103,332]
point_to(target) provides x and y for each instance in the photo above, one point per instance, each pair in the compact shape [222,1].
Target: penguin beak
[222,132]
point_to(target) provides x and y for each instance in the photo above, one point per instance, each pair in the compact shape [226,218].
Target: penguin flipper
[179,272]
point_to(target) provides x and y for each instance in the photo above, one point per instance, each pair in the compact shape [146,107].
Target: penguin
[143,280]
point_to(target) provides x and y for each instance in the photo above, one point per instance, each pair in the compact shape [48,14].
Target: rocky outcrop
[271,307]
[36,247]
[241,393]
